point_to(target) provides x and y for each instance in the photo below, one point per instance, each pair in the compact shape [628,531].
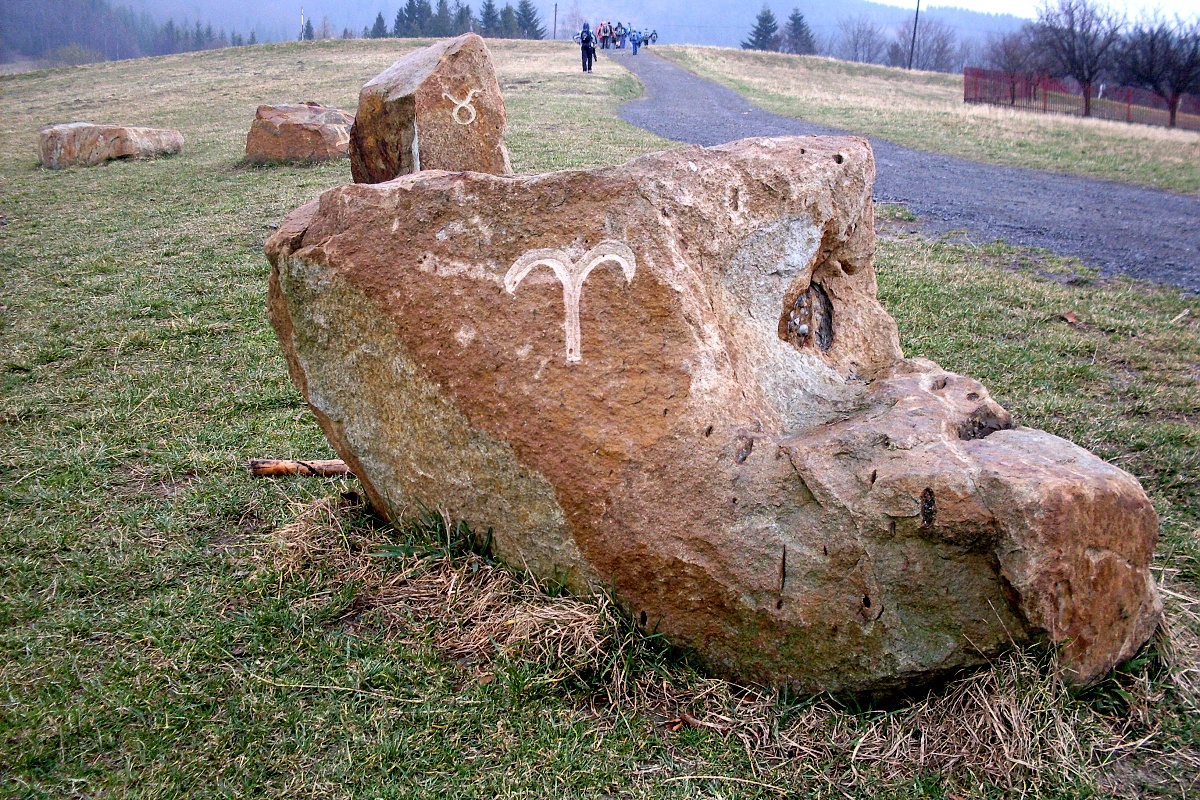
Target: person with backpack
[605,33]
[635,39]
[619,34]
[587,47]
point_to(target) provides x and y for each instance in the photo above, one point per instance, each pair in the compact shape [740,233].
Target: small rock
[304,132]
[87,144]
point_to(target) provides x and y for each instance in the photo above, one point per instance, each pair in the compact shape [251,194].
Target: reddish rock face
[305,132]
[673,379]
[85,144]
[436,108]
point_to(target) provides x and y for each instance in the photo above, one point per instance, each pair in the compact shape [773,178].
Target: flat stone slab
[673,380]
[86,144]
[298,132]
[437,108]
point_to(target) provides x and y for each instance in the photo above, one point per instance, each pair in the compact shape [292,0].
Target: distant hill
[715,22]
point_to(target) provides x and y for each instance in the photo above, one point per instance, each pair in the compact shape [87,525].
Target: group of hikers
[607,36]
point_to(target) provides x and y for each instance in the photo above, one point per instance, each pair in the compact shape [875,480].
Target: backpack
[585,37]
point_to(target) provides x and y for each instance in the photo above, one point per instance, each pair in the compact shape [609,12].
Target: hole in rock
[839,158]
[708,431]
[866,601]
[664,412]
[642,619]
[982,423]
[874,475]
[972,395]
[745,447]
[809,320]
[778,604]
[938,384]
[824,550]
[927,508]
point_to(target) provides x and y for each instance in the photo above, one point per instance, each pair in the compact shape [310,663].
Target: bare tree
[326,29]
[1014,55]
[1080,39]
[935,48]
[572,21]
[1164,58]
[860,39]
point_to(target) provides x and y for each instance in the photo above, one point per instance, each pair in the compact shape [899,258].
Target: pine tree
[489,18]
[309,33]
[464,20]
[797,36]
[765,35]
[379,30]
[529,22]
[509,27]
[419,16]
[442,23]
[400,24]
[253,38]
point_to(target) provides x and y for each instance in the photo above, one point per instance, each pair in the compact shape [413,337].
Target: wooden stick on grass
[271,467]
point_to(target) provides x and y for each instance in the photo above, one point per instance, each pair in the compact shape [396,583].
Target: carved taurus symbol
[571,274]
[459,105]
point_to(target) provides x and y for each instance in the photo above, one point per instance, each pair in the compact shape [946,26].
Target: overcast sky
[1028,8]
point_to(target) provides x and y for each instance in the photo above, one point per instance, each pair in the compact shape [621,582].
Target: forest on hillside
[63,32]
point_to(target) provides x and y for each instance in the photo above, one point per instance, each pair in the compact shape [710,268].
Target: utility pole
[555,34]
[912,48]
[302,22]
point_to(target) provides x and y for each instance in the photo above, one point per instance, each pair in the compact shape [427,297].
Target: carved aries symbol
[459,105]
[571,274]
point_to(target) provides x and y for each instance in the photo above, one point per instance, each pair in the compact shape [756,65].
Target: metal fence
[1045,94]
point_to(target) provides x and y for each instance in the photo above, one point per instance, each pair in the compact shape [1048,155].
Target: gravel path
[1118,228]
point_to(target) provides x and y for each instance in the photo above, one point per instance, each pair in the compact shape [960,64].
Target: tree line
[82,31]
[1077,39]
[1094,45]
[420,18]
[935,46]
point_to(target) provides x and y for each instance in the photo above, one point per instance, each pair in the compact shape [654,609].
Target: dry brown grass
[211,97]
[1013,727]
[925,110]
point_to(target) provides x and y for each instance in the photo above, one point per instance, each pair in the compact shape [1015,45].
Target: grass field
[925,110]
[171,626]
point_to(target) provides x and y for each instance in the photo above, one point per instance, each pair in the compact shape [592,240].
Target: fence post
[1045,81]
[1129,104]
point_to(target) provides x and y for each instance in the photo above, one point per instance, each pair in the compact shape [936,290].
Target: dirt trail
[1117,228]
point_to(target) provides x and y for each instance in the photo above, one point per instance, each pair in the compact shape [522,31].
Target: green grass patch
[170,626]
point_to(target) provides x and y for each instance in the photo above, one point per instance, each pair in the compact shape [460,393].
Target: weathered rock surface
[673,378]
[303,132]
[86,144]
[437,108]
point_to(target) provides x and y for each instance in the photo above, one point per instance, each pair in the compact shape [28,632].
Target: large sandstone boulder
[673,379]
[437,108]
[304,132]
[86,144]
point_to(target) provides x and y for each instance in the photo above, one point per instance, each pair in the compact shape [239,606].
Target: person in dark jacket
[619,35]
[587,47]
